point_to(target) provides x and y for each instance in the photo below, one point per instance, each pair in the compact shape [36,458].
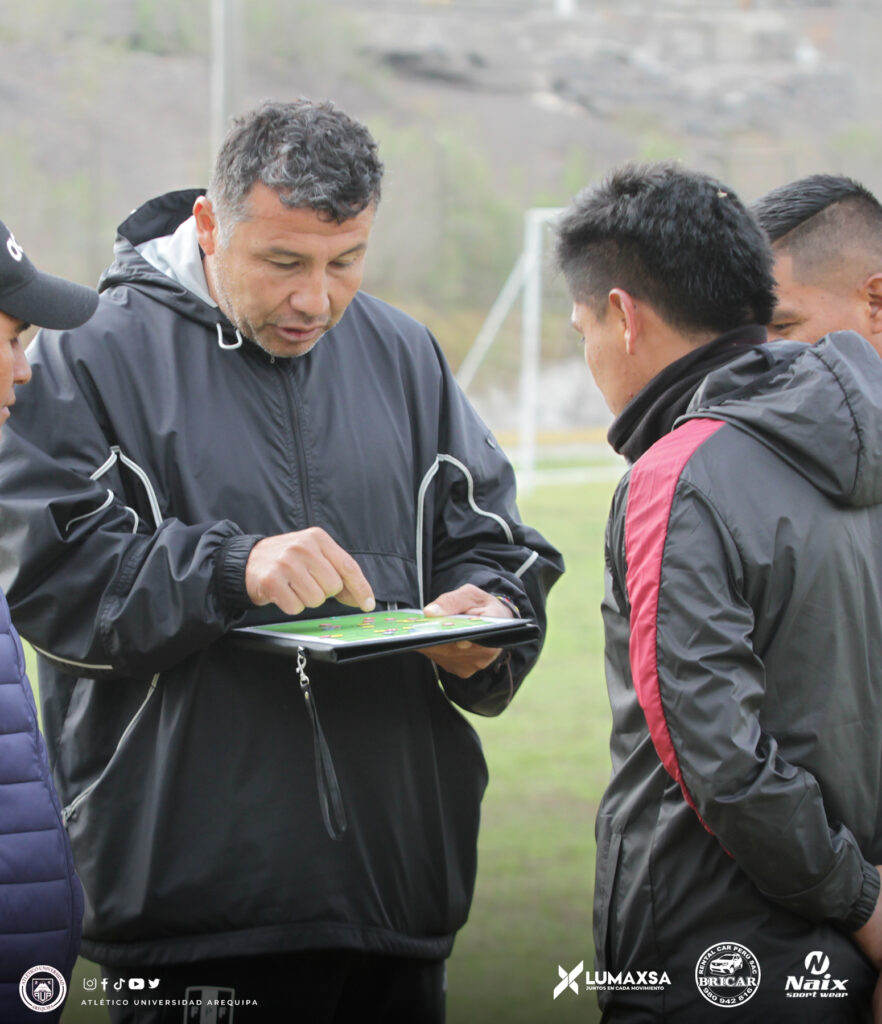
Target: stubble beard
[243,325]
[226,305]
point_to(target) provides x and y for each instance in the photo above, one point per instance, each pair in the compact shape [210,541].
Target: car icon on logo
[728,963]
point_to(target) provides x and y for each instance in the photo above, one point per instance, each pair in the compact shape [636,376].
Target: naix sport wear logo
[42,989]
[727,974]
[569,979]
[816,981]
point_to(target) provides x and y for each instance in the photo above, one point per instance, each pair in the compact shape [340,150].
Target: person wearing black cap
[42,902]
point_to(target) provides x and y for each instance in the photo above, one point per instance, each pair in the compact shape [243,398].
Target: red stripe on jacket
[651,489]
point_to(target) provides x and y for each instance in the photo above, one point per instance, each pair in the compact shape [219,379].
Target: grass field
[549,762]
[548,758]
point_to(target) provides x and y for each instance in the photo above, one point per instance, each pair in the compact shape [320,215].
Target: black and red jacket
[743,618]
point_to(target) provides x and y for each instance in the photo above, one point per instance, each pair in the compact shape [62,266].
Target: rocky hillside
[483,109]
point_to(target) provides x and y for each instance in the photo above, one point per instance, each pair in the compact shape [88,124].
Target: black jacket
[146,458]
[743,618]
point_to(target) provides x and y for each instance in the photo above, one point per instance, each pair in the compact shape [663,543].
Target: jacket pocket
[392,577]
[69,813]
[609,842]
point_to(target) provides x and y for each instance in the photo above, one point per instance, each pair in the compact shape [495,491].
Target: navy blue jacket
[41,902]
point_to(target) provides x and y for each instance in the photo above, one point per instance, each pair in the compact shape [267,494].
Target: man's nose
[21,368]
[311,296]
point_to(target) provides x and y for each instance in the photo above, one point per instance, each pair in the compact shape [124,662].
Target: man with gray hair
[241,435]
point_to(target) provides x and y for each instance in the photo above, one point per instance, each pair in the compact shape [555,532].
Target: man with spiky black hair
[739,837]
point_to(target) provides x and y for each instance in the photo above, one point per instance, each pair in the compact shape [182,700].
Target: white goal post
[526,281]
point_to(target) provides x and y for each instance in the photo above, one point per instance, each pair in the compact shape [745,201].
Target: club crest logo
[42,988]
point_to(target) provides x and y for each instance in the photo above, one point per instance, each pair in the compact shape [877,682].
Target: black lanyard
[330,798]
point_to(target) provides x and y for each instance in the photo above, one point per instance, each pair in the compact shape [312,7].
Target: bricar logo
[727,974]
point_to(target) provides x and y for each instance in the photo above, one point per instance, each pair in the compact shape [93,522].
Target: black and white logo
[609,981]
[14,249]
[209,1005]
[42,988]
[727,974]
[569,979]
[816,981]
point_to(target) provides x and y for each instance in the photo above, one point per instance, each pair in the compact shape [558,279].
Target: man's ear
[623,306]
[872,295]
[206,225]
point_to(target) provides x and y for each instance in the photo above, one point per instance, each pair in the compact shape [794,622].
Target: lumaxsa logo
[568,979]
[607,981]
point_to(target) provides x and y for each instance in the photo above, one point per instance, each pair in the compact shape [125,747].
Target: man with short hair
[41,902]
[739,835]
[826,234]
[240,427]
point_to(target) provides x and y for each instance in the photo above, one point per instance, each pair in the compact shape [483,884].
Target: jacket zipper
[290,386]
[69,812]
[329,795]
[49,656]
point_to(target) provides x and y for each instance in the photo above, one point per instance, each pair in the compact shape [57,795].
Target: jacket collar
[653,411]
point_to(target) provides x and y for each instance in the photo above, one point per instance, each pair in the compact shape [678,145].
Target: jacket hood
[819,407]
[156,219]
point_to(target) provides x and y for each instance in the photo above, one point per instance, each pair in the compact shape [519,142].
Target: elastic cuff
[229,573]
[507,601]
[866,901]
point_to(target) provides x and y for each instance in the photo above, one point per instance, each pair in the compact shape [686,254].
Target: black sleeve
[98,579]
[478,538]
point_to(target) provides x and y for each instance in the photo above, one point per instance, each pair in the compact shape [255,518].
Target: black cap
[37,298]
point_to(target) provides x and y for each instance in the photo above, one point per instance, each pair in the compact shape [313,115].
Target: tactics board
[351,637]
